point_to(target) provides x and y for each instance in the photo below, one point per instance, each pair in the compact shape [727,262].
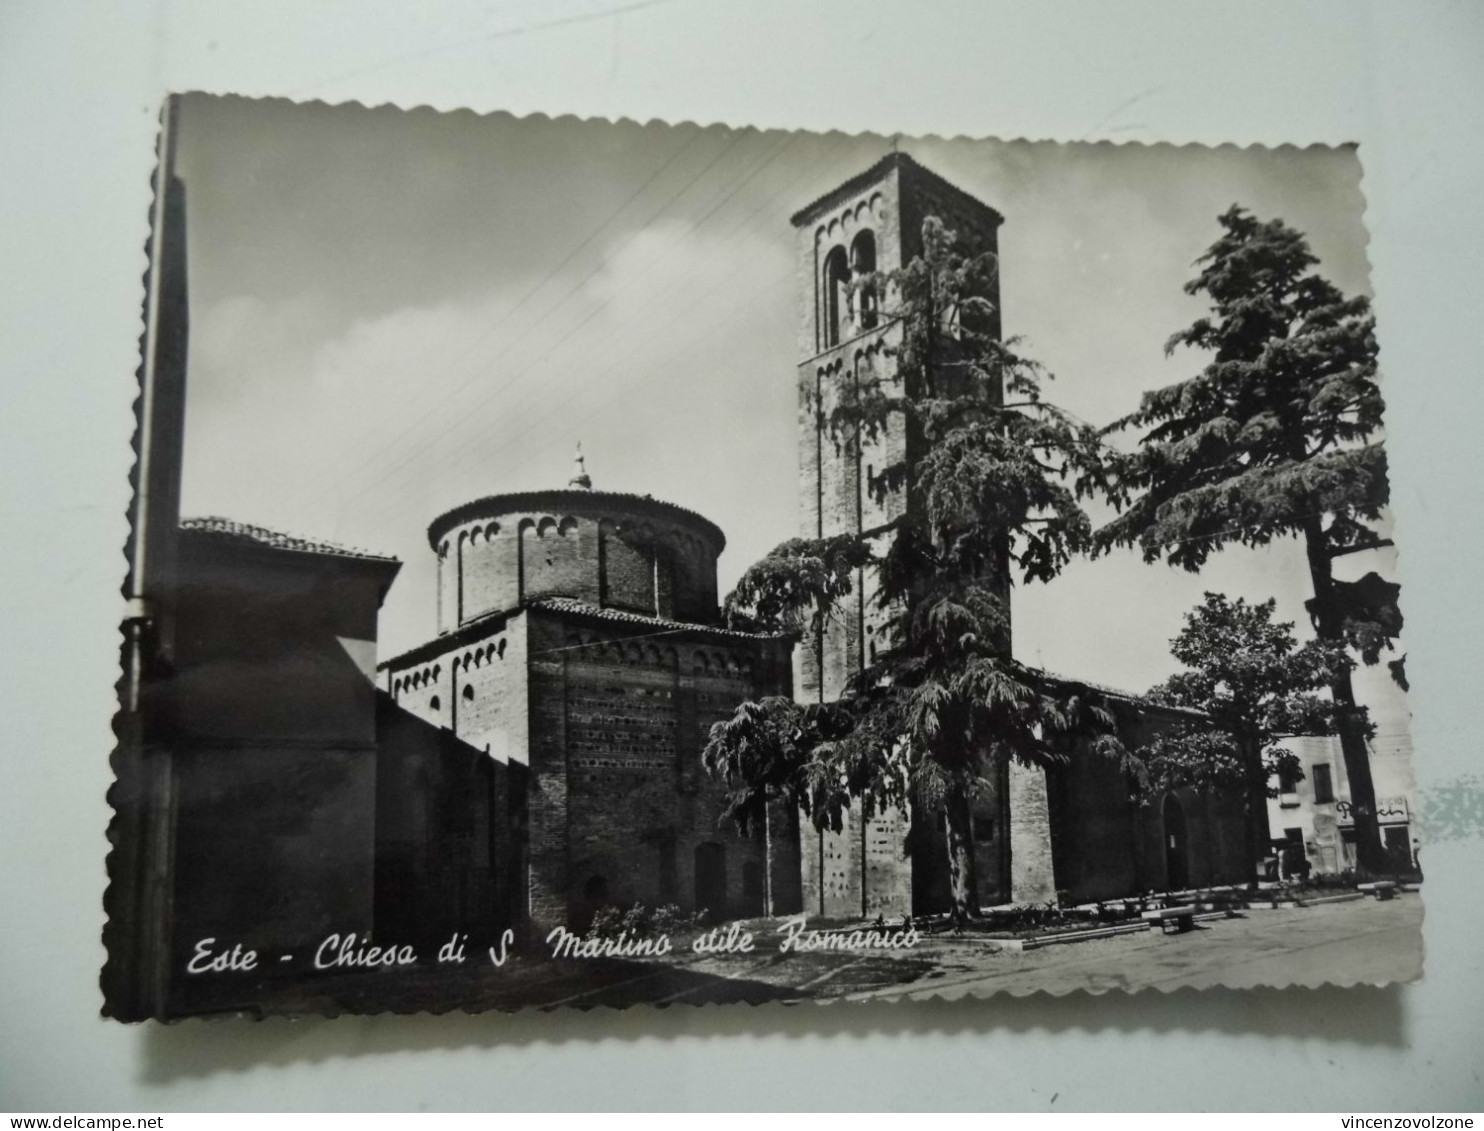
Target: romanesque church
[579,649]
[538,757]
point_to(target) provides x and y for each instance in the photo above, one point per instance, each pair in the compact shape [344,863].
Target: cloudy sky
[394,312]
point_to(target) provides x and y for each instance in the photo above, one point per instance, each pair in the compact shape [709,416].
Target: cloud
[364,433]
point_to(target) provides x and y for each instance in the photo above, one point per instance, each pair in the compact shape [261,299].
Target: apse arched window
[836,297]
[862,265]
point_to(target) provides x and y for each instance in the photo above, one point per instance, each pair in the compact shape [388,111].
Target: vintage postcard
[585,563]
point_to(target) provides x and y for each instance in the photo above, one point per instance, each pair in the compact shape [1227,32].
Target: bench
[1381,889]
[1172,920]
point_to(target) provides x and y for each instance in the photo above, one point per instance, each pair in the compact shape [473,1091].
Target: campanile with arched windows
[872,223]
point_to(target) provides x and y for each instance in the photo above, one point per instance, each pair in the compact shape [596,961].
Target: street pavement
[1361,941]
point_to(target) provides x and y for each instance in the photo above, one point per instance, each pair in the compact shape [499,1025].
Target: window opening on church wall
[863,265]
[836,297]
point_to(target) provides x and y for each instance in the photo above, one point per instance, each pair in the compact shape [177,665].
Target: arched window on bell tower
[862,264]
[836,284]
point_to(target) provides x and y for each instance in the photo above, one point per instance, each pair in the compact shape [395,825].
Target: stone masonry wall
[608,558]
[1031,876]
[621,810]
[474,687]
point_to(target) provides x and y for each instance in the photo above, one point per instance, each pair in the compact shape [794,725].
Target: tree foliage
[988,486]
[1255,686]
[764,749]
[1277,435]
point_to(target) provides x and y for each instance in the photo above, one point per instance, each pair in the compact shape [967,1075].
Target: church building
[539,757]
[580,661]
[580,650]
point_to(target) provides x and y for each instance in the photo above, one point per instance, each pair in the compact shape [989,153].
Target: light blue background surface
[79,89]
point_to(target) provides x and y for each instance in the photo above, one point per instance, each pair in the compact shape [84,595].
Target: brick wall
[273,849]
[1031,877]
[864,869]
[1109,842]
[435,854]
[1095,830]
[490,706]
[888,865]
[620,808]
[609,557]
[832,871]
[489,560]
[627,571]
[865,865]
[558,557]
[451,800]
[989,811]
[473,685]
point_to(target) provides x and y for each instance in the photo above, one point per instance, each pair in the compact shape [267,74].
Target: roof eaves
[1130,697]
[243,533]
[569,606]
[467,633]
[476,508]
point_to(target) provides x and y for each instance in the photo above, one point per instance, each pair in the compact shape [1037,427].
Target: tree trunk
[1256,834]
[1213,851]
[767,859]
[963,875]
[1369,857]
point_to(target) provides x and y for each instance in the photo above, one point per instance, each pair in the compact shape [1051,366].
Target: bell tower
[872,222]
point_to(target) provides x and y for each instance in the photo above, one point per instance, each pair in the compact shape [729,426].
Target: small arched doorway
[1177,845]
[711,879]
[594,898]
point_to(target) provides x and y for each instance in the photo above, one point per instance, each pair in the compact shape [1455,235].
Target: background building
[1311,815]
[268,752]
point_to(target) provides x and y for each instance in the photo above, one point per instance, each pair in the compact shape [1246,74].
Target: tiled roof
[477,629]
[582,608]
[498,622]
[231,530]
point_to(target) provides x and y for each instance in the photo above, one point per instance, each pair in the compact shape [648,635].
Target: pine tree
[1277,436]
[988,487]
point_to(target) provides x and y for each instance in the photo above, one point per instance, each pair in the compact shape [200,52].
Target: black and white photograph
[582,562]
